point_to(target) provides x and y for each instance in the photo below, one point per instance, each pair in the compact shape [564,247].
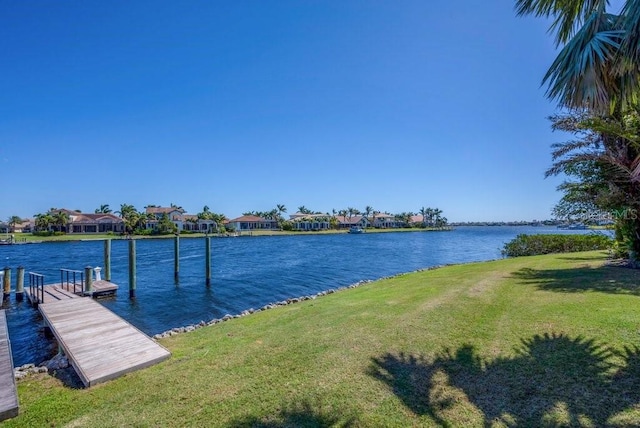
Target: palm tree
[304,210]
[437,217]
[104,209]
[423,211]
[60,219]
[43,222]
[367,211]
[12,221]
[373,217]
[205,214]
[597,67]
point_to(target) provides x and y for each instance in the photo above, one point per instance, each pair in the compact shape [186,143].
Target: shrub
[530,245]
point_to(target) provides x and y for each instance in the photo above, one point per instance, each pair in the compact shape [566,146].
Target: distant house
[252,222]
[26,226]
[175,215]
[91,223]
[94,223]
[416,220]
[385,221]
[345,222]
[310,222]
[194,224]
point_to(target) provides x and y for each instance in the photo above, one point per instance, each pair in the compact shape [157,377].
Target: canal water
[247,272]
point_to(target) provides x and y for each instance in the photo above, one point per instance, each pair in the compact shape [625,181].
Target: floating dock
[99,344]
[8,393]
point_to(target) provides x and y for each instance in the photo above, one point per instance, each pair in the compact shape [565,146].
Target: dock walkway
[64,291]
[99,344]
[8,393]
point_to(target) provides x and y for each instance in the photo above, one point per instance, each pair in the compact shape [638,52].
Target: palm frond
[630,15]
[569,15]
[582,76]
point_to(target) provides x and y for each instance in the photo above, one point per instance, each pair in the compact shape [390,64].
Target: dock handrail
[36,286]
[66,274]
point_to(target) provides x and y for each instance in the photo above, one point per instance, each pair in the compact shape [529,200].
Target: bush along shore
[533,245]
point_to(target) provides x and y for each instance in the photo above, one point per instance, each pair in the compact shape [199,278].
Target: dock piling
[132,269]
[208,261]
[20,284]
[176,258]
[107,259]
[6,283]
[88,280]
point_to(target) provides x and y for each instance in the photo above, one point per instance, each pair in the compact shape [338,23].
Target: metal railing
[36,286]
[70,277]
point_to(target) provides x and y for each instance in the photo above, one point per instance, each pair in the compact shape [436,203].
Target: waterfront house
[310,222]
[79,222]
[155,214]
[252,222]
[385,221]
[345,222]
[194,224]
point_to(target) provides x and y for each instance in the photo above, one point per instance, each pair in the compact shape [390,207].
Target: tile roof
[160,210]
[249,219]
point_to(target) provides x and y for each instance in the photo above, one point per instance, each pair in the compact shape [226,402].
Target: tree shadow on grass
[605,279]
[551,380]
[301,414]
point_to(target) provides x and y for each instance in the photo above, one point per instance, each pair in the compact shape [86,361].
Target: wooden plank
[99,344]
[8,393]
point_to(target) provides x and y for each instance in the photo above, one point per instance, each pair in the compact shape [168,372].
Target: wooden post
[107,260]
[6,283]
[88,280]
[208,260]
[176,258]
[20,284]
[132,269]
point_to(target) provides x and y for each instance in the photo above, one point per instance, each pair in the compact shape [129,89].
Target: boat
[356,229]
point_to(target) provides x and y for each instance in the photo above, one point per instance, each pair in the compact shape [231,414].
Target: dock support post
[132,269]
[208,261]
[176,258]
[107,260]
[88,281]
[6,283]
[20,284]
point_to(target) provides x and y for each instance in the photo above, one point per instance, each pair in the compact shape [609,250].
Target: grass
[533,341]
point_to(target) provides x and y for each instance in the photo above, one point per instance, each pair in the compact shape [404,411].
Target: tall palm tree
[104,209]
[373,217]
[60,219]
[597,67]
[367,211]
[43,222]
[13,220]
[423,211]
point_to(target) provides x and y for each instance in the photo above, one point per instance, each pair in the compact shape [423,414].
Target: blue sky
[244,105]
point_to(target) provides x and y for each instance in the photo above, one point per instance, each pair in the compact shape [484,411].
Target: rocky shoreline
[227,317]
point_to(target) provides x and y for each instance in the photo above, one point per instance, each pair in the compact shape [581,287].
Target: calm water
[246,272]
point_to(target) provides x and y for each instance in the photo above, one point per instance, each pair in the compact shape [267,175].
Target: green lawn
[533,341]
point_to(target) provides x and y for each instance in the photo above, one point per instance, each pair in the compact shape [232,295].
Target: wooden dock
[64,291]
[99,344]
[8,393]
